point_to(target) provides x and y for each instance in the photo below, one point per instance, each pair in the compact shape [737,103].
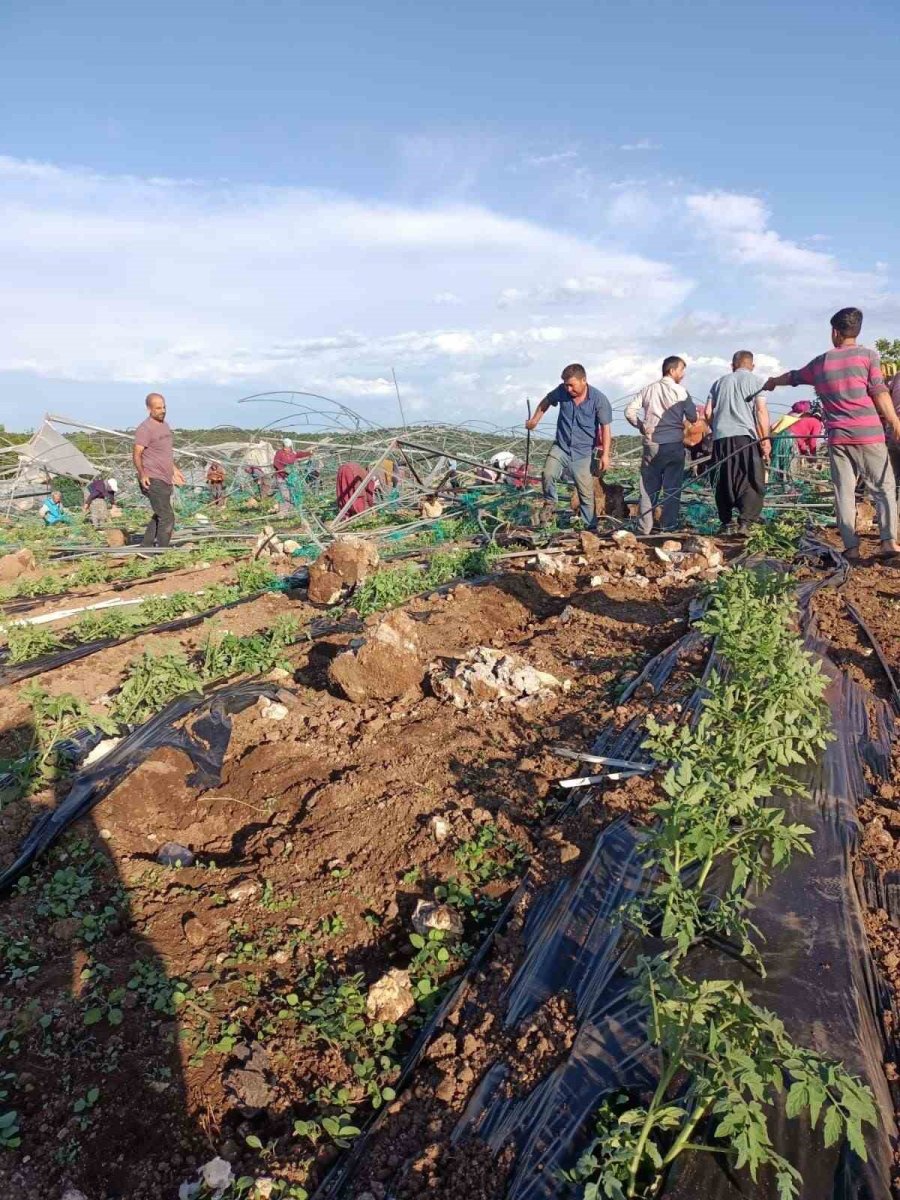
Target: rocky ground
[256,999]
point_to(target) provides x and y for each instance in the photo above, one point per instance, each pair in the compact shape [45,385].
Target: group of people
[858,416]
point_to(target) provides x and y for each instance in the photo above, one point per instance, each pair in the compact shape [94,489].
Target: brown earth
[328,827]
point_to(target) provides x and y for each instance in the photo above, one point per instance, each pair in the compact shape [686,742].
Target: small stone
[589,542]
[73,1194]
[115,537]
[100,750]
[173,854]
[217,1174]
[624,537]
[445,1090]
[195,931]
[271,710]
[243,890]
[106,834]
[390,998]
[599,580]
[568,853]
[670,546]
[661,554]
[430,915]
[440,828]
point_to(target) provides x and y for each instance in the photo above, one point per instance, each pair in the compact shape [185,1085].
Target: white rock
[73,1194]
[391,997]
[624,537]
[271,710]
[670,546]
[217,1174]
[101,750]
[243,890]
[430,915]
[599,580]
[440,827]
[662,555]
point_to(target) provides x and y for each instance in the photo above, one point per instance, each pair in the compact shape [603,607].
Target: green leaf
[834,1125]
[93,1016]
[253,1142]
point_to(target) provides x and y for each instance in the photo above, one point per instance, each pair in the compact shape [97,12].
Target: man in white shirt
[659,412]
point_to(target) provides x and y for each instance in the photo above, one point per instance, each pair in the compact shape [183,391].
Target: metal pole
[399,401]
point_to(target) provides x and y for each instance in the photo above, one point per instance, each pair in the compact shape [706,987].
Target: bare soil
[311,856]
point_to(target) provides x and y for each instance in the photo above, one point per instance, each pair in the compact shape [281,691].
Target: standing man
[154,462]
[739,416]
[583,426]
[894,447]
[659,411]
[857,409]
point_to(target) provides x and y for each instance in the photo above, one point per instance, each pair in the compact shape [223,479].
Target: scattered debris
[485,676]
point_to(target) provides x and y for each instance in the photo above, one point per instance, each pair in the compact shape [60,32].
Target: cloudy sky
[289,196]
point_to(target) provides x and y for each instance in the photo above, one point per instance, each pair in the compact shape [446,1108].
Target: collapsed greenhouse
[389,835]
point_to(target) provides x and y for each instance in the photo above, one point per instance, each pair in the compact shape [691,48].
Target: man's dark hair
[573,371]
[742,356]
[847,322]
[670,363]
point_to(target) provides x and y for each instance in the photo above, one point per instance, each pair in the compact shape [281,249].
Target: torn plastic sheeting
[812,923]
[344,1170]
[205,744]
[62,658]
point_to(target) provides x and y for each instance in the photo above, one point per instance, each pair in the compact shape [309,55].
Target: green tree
[889,349]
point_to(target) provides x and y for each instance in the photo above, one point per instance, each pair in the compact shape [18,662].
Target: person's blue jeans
[559,461]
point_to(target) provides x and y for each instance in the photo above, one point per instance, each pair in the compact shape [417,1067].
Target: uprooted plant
[722,1059]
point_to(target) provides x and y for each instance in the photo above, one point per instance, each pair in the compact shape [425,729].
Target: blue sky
[219,200]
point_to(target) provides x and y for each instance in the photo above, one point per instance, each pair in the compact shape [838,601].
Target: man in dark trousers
[739,416]
[583,426]
[154,462]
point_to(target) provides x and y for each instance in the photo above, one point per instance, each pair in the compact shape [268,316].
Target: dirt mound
[345,563]
[387,664]
[12,566]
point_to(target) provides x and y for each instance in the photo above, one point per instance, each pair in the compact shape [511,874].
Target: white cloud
[642,144]
[551,160]
[739,227]
[170,283]
[159,282]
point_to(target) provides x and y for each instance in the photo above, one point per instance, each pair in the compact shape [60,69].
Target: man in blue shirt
[583,425]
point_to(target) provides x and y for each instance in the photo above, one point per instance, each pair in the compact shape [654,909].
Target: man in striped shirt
[857,409]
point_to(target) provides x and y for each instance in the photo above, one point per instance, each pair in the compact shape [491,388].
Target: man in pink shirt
[894,447]
[857,409]
[154,461]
